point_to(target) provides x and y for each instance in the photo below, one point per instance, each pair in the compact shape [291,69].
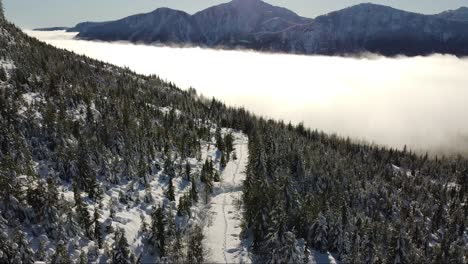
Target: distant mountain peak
[245,1]
[371,6]
[463,8]
[460,14]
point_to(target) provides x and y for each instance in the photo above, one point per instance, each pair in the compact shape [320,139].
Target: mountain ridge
[257,25]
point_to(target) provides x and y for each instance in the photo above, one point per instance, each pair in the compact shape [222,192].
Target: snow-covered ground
[321,258]
[224,216]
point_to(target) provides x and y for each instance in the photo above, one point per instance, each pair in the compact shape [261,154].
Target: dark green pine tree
[6,249]
[219,140]
[40,254]
[223,161]
[121,253]
[170,191]
[158,239]
[188,170]
[2,12]
[83,258]
[193,190]
[3,75]
[229,144]
[398,253]
[23,251]
[84,219]
[185,201]
[169,168]
[61,255]
[97,228]
[195,248]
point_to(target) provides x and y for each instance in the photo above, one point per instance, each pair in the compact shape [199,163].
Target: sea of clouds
[421,102]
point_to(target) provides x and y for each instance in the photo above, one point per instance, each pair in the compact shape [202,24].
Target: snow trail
[223,230]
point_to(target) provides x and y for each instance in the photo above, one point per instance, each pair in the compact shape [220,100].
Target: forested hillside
[99,164]
[89,151]
[365,203]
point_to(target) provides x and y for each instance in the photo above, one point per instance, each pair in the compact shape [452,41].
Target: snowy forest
[100,164]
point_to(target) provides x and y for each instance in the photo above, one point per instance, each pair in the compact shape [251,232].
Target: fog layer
[421,102]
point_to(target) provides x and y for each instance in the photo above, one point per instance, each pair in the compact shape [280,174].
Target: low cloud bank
[420,102]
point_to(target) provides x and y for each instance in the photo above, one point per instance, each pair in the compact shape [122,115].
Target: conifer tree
[6,249]
[188,170]
[158,238]
[229,144]
[70,225]
[193,190]
[82,212]
[144,224]
[195,253]
[321,233]
[23,251]
[222,162]
[219,140]
[169,168]
[40,254]
[120,252]
[398,252]
[97,228]
[2,12]
[170,191]
[61,255]
[3,75]
[185,201]
[83,258]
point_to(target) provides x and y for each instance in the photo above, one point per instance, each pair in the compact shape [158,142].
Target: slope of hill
[100,164]
[257,25]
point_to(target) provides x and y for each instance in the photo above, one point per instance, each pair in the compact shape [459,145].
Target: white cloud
[421,102]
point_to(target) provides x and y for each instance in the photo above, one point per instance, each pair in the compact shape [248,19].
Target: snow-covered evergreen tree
[6,249]
[320,233]
[97,228]
[83,258]
[41,254]
[120,252]
[22,248]
[158,233]
[399,251]
[281,246]
[61,255]
[195,252]
[170,190]
[2,12]
[82,213]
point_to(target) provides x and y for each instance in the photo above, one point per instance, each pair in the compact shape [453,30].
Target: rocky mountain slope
[228,24]
[376,29]
[254,24]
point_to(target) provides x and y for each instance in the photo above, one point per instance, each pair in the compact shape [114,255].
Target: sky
[47,13]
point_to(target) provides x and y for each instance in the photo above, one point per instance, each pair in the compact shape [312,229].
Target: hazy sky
[44,13]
